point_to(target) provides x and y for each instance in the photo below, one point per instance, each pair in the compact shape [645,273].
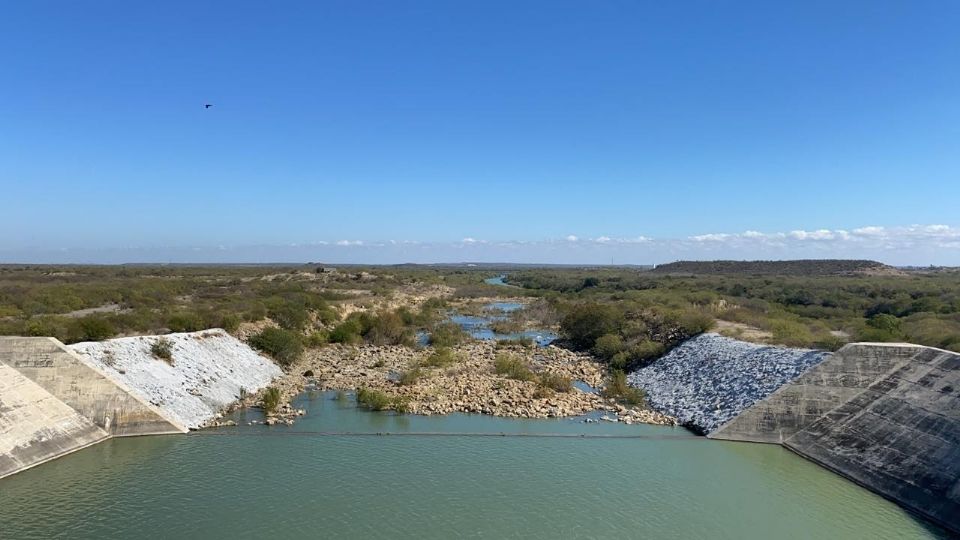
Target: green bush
[693,323]
[885,323]
[388,329]
[373,399]
[618,389]
[327,315]
[586,323]
[791,334]
[284,346]
[270,400]
[289,316]
[829,342]
[230,322]
[440,357]
[556,382]
[512,368]
[645,350]
[620,361]
[92,329]
[185,322]
[447,334]
[871,334]
[376,400]
[524,342]
[162,348]
[607,346]
[58,327]
[347,332]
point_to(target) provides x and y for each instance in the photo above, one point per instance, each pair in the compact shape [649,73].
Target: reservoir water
[332,476]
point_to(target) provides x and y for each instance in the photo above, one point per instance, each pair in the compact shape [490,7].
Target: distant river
[296,482]
[499,280]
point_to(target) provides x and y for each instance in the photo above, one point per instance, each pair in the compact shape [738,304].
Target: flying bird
[207,105]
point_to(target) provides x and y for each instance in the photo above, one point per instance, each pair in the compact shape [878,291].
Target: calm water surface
[297,482]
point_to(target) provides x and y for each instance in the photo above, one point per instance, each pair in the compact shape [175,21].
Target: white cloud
[819,234]
[842,241]
[869,231]
[919,244]
[712,237]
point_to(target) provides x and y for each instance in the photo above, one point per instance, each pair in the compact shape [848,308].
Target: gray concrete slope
[900,437]
[79,384]
[886,416]
[821,388]
[36,427]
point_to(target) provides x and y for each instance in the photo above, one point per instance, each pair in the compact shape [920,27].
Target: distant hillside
[810,267]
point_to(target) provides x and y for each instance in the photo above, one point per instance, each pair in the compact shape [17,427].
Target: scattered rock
[470,385]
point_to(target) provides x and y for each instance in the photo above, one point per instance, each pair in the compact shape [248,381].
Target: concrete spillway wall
[820,389]
[56,399]
[886,416]
[82,386]
[35,426]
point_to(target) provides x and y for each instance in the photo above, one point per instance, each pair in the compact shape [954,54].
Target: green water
[298,482]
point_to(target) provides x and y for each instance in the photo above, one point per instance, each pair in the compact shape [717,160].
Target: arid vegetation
[162,349]
[270,399]
[649,311]
[625,316]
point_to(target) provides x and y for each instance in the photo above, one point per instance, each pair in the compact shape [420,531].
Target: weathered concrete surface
[900,437]
[36,427]
[886,416]
[209,371]
[82,386]
[818,390]
[54,400]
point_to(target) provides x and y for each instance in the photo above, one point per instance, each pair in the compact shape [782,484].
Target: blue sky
[648,131]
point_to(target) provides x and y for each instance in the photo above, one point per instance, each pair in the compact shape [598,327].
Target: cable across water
[277,433]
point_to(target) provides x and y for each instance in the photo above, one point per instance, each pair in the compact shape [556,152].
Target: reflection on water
[498,280]
[260,481]
[479,327]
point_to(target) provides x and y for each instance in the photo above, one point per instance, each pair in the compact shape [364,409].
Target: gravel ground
[709,379]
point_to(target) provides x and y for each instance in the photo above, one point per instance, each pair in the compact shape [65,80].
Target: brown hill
[807,267]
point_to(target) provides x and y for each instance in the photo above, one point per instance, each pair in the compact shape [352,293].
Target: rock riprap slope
[709,379]
[208,371]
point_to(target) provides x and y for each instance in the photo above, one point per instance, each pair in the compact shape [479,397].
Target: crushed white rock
[709,379]
[209,371]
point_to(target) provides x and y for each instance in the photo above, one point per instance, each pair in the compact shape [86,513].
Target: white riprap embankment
[210,370]
[707,380]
